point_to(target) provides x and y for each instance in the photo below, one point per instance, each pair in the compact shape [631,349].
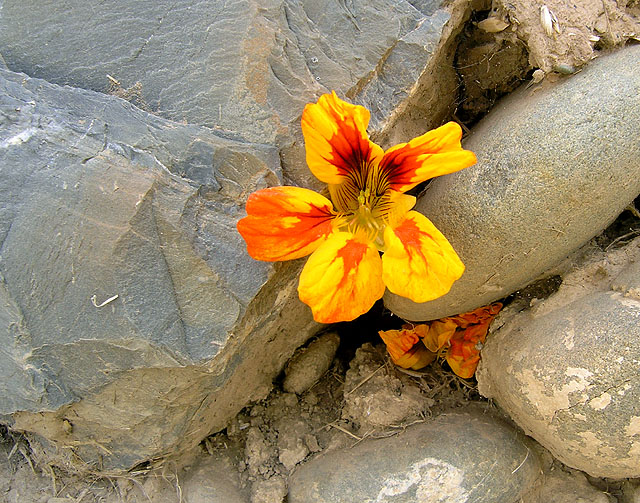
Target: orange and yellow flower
[368,213]
[458,339]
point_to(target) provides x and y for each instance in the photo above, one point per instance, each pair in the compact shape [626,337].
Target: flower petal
[464,354]
[439,334]
[285,223]
[405,347]
[419,263]
[342,279]
[336,140]
[435,153]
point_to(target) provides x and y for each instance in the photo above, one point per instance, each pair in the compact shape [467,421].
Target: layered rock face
[245,67]
[134,321]
[129,311]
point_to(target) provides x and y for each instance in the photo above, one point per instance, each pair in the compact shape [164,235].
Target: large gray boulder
[567,370]
[467,456]
[133,323]
[245,67]
[557,164]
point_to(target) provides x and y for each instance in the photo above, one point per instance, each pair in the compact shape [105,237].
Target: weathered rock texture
[567,370]
[133,321]
[557,164]
[245,67]
[463,456]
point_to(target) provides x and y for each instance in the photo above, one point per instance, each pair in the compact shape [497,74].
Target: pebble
[309,364]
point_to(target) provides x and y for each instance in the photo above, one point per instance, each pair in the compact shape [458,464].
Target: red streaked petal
[342,279]
[285,223]
[419,263]
[336,140]
[435,153]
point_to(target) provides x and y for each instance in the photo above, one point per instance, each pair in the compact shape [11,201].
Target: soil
[362,394]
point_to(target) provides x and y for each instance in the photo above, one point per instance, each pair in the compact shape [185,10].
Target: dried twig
[365,380]
[344,430]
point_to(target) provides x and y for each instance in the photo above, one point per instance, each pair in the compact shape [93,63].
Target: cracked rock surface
[567,370]
[125,291]
[245,67]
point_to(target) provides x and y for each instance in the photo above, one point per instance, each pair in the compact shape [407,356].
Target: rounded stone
[310,363]
[459,456]
[556,165]
[569,377]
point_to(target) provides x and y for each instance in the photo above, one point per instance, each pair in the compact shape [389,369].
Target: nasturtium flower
[368,214]
[458,339]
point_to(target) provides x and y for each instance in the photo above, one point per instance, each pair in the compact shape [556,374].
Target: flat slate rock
[468,457]
[246,67]
[556,165]
[129,308]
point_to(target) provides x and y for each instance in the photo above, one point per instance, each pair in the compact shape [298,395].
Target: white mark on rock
[434,481]
[600,402]
[633,428]
[583,374]
[19,138]
[569,336]
[94,300]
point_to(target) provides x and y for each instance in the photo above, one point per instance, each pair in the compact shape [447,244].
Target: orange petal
[419,263]
[405,348]
[439,334]
[336,140]
[435,153]
[464,354]
[342,279]
[479,315]
[285,223]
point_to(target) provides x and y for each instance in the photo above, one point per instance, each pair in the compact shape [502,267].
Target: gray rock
[567,372]
[133,323]
[309,364]
[557,164]
[562,485]
[213,480]
[456,457]
[245,67]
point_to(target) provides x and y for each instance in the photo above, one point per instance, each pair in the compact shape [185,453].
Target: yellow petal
[439,334]
[342,279]
[435,153]
[285,223]
[419,263]
[336,139]
[406,349]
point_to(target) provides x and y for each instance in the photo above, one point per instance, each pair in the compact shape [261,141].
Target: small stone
[213,480]
[272,490]
[376,396]
[565,486]
[312,443]
[309,364]
[459,456]
[295,452]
